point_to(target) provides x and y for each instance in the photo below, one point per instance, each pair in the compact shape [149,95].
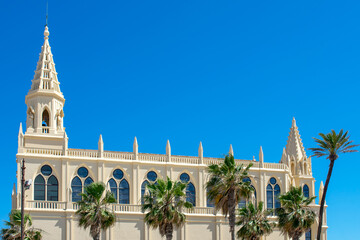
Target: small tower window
[45,118]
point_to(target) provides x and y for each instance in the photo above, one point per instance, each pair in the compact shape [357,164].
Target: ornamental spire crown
[45,77]
[294,146]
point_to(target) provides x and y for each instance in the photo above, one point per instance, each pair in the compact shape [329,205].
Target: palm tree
[165,203]
[295,215]
[226,187]
[93,209]
[253,221]
[13,232]
[331,145]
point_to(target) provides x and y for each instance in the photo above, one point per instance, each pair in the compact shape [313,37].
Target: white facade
[45,143]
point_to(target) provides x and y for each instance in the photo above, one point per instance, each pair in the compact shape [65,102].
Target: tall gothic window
[190,188]
[78,183]
[243,201]
[306,191]
[46,185]
[151,177]
[119,187]
[308,235]
[272,195]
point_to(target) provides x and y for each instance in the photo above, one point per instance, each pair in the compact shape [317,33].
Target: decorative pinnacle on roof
[294,146]
[45,78]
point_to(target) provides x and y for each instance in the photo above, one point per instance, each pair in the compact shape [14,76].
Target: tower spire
[294,146]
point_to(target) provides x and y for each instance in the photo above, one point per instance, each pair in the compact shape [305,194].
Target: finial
[261,155]
[168,148]
[231,151]
[293,122]
[135,146]
[20,129]
[201,151]
[46,33]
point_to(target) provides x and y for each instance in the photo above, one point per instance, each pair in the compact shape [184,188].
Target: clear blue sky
[220,72]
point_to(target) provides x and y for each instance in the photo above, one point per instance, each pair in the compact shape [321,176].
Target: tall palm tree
[13,232]
[226,187]
[93,209]
[164,205]
[331,145]
[295,215]
[253,222]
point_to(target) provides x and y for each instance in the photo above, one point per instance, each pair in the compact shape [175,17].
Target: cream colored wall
[58,225]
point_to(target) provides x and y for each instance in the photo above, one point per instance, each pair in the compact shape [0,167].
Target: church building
[60,173]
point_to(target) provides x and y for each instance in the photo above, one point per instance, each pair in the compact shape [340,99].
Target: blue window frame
[191,194]
[124,192]
[272,195]
[39,188]
[118,174]
[308,235]
[88,181]
[152,176]
[184,177]
[76,187]
[46,185]
[113,188]
[306,191]
[79,182]
[46,170]
[120,187]
[243,202]
[52,189]
[209,203]
[143,189]
[83,172]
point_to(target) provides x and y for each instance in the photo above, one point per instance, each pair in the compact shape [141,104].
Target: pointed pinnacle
[20,129]
[168,148]
[293,122]
[135,145]
[231,151]
[200,151]
[261,155]
[101,139]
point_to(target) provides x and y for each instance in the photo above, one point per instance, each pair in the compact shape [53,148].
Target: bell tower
[45,102]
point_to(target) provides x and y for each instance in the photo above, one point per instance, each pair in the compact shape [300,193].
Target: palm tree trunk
[332,161]
[169,231]
[232,213]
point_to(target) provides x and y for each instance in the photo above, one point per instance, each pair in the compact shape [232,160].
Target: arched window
[79,182]
[191,194]
[150,177]
[113,188]
[190,188]
[121,193]
[143,189]
[45,119]
[209,203]
[39,188]
[52,189]
[272,194]
[308,235]
[124,192]
[46,185]
[243,201]
[306,191]
[76,187]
